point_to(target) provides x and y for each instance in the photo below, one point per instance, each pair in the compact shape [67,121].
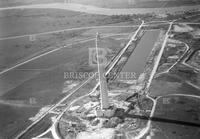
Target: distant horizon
[107,3]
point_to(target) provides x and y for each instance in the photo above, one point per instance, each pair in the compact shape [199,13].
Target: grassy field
[22,22]
[177,117]
[43,79]
[107,3]
[170,84]
[173,110]
[164,130]
[8,125]
[50,71]
[9,3]
[179,108]
[46,85]
[137,3]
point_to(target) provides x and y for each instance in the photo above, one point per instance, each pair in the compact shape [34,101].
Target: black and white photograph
[99,69]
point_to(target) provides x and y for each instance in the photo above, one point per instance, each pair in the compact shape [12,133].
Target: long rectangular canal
[138,58]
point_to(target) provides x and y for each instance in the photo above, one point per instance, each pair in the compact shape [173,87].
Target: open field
[38,21]
[10,3]
[9,125]
[180,116]
[15,51]
[137,3]
[107,3]
[29,21]
[168,84]
[44,81]
[179,108]
[165,130]
[43,78]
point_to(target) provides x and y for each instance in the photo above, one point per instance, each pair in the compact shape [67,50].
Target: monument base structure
[105,113]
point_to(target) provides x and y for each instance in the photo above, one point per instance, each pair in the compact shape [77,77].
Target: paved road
[63,30]
[103,11]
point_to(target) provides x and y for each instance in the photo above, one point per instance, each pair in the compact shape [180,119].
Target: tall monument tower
[105,110]
[102,79]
